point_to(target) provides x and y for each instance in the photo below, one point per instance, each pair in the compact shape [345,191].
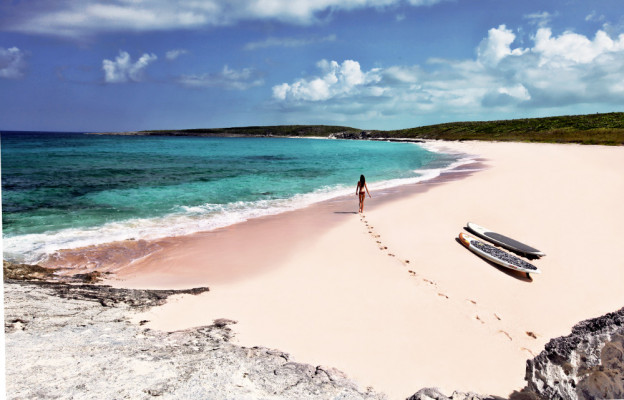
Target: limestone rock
[587,364]
[78,341]
[435,394]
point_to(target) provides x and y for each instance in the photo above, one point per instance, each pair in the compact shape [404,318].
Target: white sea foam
[33,248]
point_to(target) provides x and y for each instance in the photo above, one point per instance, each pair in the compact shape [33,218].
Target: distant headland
[601,129]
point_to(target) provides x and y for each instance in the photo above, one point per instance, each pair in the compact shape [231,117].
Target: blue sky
[83,65]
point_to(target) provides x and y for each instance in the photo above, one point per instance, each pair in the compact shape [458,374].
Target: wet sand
[242,251]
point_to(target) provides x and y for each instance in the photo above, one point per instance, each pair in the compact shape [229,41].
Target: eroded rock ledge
[77,341]
[587,364]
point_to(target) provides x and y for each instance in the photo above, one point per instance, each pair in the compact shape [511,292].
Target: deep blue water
[63,190]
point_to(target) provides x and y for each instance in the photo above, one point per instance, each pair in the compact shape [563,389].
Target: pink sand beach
[391,297]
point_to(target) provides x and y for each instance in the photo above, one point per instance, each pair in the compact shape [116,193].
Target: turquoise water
[65,190]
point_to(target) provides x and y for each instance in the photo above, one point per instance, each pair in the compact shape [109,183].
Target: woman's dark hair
[362,180]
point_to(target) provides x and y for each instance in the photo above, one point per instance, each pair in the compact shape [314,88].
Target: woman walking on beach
[359,190]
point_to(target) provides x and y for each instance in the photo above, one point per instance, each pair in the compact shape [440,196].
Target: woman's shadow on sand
[521,276]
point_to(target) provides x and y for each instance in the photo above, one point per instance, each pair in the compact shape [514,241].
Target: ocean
[67,190]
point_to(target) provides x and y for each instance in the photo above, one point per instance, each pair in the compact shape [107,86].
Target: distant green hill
[606,129]
[603,129]
[279,130]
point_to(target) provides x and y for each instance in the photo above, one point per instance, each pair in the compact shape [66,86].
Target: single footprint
[472,301]
[412,272]
[530,352]
[406,261]
[497,317]
[442,295]
[531,334]
[506,334]
[479,319]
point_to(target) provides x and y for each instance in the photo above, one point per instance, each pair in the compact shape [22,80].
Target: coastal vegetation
[278,130]
[602,129]
[605,129]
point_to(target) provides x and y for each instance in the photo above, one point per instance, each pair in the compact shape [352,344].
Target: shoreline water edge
[186,219]
[387,297]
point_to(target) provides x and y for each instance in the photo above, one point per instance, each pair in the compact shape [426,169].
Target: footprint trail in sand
[486,318]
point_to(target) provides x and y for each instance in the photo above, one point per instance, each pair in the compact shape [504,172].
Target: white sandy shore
[317,284]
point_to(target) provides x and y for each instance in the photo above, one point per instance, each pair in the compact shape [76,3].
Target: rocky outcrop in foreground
[435,394]
[587,364]
[77,342]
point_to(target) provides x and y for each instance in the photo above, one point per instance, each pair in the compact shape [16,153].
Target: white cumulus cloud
[497,46]
[517,91]
[555,72]
[572,48]
[346,79]
[122,69]
[12,63]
